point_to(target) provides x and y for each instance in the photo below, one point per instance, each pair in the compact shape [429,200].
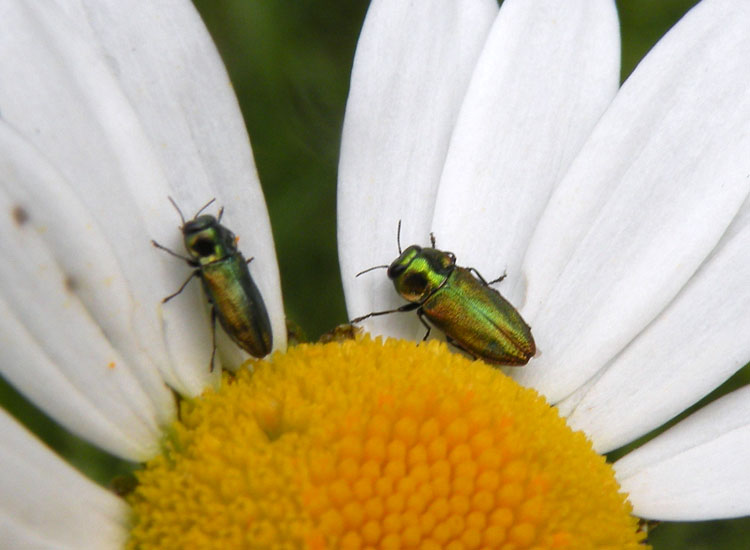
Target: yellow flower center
[368,444]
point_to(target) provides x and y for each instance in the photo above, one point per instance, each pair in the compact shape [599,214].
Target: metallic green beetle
[458,301]
[235,299]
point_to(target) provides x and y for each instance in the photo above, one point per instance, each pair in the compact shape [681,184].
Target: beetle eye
[203,247]
[444,260]
[415,283]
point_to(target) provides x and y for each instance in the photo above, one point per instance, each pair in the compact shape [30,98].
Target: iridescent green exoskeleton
[458,301]
[235,299]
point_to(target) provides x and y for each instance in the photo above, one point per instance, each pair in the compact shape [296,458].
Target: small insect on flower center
[384,445]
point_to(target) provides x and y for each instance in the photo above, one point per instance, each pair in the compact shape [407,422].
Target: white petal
[90,133]
[546,74]
[692,347]
[411,69]
[697,469]
[189,110]
[66,313]
[645,202]
[70,100]
[48,504]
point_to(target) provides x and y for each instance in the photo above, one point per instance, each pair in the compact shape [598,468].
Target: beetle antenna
[398,236]
[221,213]
[182,218]
[204,207]
[371,269]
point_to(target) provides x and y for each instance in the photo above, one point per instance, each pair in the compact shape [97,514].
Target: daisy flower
[500,132]
[620,219]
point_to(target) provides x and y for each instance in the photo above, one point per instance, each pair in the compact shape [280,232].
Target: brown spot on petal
[71,285]
[20,215]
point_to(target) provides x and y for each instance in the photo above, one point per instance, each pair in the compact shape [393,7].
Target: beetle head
[206,240]
[418,272]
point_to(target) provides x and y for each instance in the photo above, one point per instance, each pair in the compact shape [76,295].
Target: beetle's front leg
[189,261]
[406,307]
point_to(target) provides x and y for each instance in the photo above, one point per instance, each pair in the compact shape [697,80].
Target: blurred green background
[289,63]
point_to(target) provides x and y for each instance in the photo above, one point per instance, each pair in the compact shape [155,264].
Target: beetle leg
[250,260]
[213,336]
[407,307]
[193,274]
[432,239]
[485,283]
[190,261]
[420,314]
[478,275]
[500,278]
[458,346]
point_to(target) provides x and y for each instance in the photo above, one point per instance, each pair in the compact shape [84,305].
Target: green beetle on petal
[458,301]
[235,299]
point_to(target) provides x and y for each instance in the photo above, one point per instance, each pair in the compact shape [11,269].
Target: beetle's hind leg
[213,337]
[459,347]
[426,325]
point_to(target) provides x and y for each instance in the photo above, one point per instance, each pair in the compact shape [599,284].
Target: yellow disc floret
[387,445]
